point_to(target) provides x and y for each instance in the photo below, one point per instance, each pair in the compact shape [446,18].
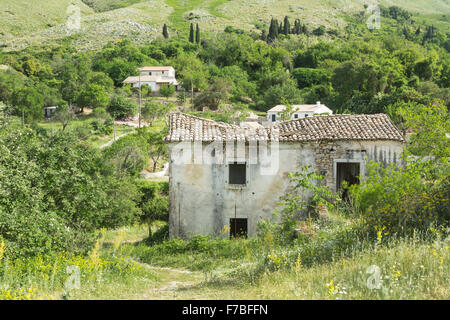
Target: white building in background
[49,111]
[298,111]
[154,77]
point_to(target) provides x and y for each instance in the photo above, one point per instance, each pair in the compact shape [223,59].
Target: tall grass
[408,269]
[63,276]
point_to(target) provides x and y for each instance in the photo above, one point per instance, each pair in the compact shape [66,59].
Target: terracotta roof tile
[340,127]
[183,127]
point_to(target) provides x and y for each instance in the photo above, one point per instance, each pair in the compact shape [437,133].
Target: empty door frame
[362,170]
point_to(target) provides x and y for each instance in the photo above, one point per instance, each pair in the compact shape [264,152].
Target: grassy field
[408,271]
[108,5]
[24,23]
[95,140]
[121,267]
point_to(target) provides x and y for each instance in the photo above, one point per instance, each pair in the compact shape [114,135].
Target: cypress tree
[304,29]
[273,30]
[165,31]
[429,35]
[191,33]
[406,33]
[286,26]
[197,35]
[297,28]
[418,31]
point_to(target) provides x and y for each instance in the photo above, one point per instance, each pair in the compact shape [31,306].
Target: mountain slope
[24,22]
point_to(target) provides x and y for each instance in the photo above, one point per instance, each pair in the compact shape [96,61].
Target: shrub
[306,193]
[127,155]
[401,200]
[54,193]
[82,132]
[167,90]
[306,77]
[100,113]
[161,235]
[121,107]
[154,202]
[102,126]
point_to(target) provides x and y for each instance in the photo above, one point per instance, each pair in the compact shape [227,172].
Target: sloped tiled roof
[340,127]
[183,127]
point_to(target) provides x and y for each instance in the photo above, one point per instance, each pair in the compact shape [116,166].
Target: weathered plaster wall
[202,201]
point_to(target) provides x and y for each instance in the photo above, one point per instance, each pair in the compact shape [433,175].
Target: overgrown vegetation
[58,189]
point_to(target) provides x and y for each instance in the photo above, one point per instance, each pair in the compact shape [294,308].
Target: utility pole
[139,99]
[114,125]
[192,92]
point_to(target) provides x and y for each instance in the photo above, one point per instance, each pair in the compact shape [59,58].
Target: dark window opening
[348,172]
[238,228]
[237,173]
[295,116]
[273,117]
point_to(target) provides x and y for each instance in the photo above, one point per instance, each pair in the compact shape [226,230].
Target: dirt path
[110,142]
[173,284]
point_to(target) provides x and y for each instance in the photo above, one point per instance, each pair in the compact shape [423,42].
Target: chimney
[318,103]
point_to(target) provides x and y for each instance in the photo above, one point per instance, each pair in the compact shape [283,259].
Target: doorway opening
[348,172]
[238,228]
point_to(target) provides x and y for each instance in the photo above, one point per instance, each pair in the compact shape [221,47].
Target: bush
[121,107]
[278,94]
[82,132]
[305,193]
[154,202]
[55,192]
[99,113]
[400,200]
[127,155]
[161,235]
[306,77]
[103,126]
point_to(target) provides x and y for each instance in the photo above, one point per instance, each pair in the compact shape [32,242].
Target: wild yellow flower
[2,249]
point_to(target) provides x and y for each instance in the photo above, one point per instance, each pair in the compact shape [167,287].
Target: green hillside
[17,18]
[32,22]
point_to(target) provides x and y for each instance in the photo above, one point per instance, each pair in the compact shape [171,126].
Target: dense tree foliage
[154,201]
[121,107]
[403,61]
[56,191]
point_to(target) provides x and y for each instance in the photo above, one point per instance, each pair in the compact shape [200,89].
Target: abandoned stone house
[223,178]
